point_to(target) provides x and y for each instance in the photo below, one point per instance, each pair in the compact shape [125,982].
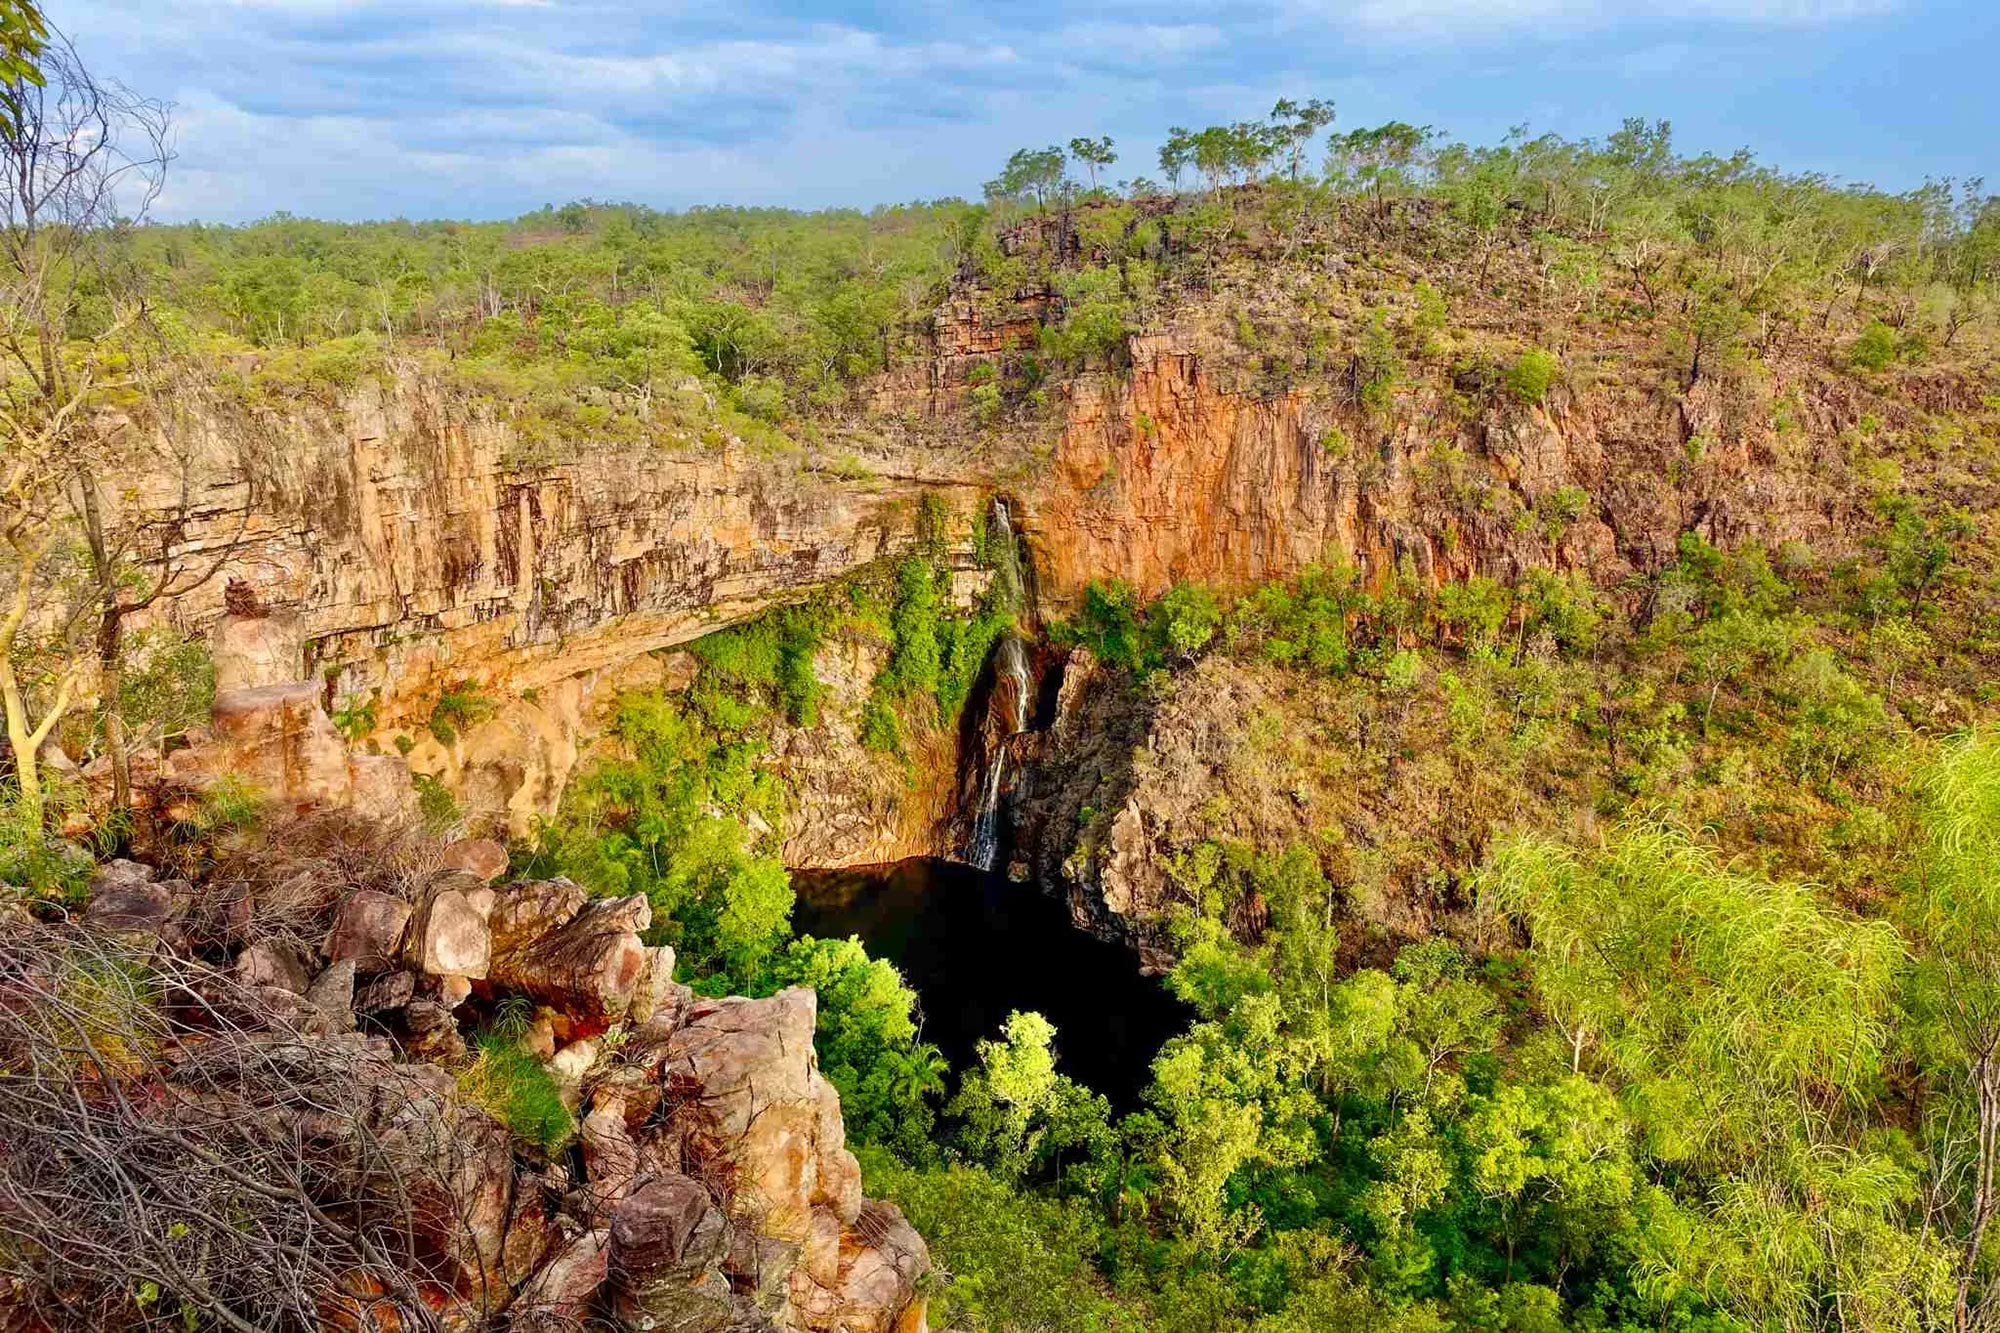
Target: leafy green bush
[461,706]
[436,806]
[1875,348]
[34,859]
[1533,373]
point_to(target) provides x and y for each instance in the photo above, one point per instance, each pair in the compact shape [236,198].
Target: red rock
[482,857]
[558,1297]
[368,928]
[588,969]
[268,963]
[453,940]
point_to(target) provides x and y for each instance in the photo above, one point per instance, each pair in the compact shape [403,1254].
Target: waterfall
[1007,713]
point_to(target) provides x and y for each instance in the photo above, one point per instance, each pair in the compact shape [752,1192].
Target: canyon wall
[409,540]
[1180,471]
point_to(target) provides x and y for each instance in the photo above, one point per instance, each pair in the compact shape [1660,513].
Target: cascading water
[1007,714]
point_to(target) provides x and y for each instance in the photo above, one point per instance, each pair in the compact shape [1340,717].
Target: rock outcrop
[711,1187]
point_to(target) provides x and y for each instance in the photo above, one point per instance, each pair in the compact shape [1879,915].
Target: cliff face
[404,543]
[409,541]
[1184,472]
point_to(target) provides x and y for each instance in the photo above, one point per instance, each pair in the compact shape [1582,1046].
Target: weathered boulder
[877,1279]
[429,1032]
[270,963]
[453,940]
[759,1079]
[368,930]
[332,994]
[481,857]
[390,991]
[667,1224]
[125,898]
[530,909]
[666,1235]
[588,968]
[558,1297]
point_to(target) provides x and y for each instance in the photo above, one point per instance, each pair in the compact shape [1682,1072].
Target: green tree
[1095,154]
[1031,173]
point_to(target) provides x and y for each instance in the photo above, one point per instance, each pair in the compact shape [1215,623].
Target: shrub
[1875,348]
[435,804]
[355,718]
[1184,620]
[1532,374]
[462,705]
[1108,624]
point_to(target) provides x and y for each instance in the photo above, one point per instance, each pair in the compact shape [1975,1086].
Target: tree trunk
[110,647]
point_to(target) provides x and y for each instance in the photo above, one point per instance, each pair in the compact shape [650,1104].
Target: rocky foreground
[707,1184]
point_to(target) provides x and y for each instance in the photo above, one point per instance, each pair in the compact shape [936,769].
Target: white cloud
[1433,20]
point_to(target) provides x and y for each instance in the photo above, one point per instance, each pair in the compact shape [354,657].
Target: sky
[358,109]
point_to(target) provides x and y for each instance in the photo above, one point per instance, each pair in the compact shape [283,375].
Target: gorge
[1277,755]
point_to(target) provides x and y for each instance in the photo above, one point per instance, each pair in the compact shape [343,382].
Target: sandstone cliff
[413,543]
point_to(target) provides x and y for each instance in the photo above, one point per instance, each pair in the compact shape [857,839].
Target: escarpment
[418,575]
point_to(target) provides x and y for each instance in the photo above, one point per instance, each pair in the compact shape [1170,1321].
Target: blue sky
[421,108]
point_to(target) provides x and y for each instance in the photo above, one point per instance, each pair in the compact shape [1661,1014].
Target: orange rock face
[1183,472]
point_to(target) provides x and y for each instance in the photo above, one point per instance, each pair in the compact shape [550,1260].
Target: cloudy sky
[489,108]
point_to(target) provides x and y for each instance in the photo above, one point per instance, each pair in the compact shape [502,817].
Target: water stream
[1007,712]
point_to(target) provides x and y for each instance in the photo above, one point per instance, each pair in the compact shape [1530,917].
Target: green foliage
[1875,348]
[771,658]
[436,806]
[518,1090]
[1018,1116]
[867,1042]
[460,706]
[42,863]
[670,818]
[1532,374]
[168,686]
[1016,1261]
[355,717]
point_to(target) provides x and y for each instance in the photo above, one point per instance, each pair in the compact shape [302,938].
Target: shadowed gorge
[975,948]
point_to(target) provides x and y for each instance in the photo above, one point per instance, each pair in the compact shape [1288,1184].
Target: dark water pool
[975,946]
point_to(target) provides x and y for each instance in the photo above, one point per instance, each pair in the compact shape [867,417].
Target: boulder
[390,991]
[481,857]
[588,969]
[269,963]
[658,993]
[881,1262]
[610,1157]
[524,912]
[277,738]
[430,1032]
[368,930]
[332,994]
[453,940]
[753,1061]
[379,786]
[559,1296]
[125,898]
[664,1238]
